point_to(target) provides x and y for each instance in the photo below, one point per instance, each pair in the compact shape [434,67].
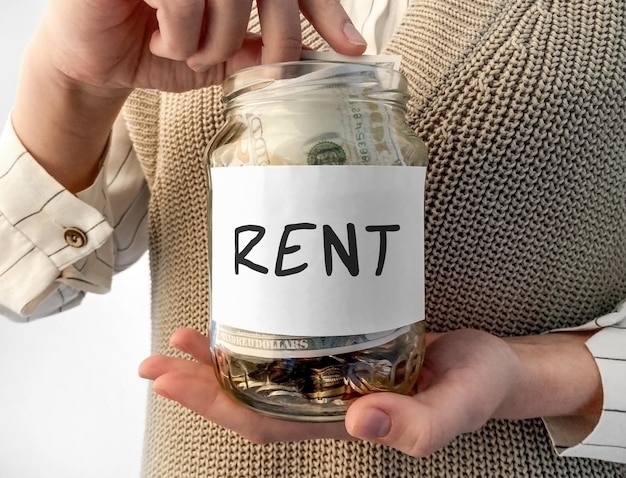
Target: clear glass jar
[332,307]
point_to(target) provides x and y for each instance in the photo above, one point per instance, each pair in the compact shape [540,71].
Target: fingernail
[373,423]
[353,35]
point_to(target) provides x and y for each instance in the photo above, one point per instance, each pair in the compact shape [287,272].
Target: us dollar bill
[247,343]
[358,131]
[344,133]
[386,61]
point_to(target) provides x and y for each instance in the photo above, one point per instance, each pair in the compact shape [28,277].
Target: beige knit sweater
[522,104]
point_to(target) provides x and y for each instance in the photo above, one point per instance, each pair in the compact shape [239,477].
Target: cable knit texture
[522,104]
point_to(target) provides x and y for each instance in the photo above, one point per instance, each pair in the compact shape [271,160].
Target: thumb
[409,424]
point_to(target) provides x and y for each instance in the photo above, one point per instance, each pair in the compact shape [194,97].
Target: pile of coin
[323,379]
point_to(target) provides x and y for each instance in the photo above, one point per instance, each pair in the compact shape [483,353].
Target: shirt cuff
[606,439]
[46,224]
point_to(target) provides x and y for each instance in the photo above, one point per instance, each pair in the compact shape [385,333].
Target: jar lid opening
[313,75]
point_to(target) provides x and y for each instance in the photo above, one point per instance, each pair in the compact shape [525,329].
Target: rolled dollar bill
[354,132]
[254,344]
[385,61]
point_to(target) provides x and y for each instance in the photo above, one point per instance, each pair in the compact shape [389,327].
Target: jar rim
[272,75]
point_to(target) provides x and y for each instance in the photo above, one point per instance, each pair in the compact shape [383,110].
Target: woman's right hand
[177,45]
[88,55]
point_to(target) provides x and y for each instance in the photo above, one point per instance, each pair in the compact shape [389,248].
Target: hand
[471,376]
[88,55]
[465,378]
[468,377]
[193,384]
[176,45]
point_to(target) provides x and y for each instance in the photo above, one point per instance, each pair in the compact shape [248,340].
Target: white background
[71,403]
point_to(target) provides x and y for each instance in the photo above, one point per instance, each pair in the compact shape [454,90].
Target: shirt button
[75,237]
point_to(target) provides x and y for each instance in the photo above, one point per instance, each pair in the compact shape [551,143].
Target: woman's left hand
[468,377]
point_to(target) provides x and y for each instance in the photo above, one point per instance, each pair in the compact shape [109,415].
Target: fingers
[334,25]
[180,27]
[189,341]
[193,343]
[206,398]
[201,32]
[280,29]
[195,386]
[418,425]
[224,29]
[210,36]
[204,33]
[158,365]
[402,422]
[465,377]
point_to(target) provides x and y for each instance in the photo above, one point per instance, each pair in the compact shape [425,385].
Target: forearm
[558,377]
[63,124]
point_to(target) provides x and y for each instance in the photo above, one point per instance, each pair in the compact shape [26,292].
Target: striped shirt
[59,245]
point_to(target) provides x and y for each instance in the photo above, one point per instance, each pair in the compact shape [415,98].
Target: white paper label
[317,250]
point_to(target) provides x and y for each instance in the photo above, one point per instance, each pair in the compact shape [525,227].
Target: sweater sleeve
[607,439]
[57,245]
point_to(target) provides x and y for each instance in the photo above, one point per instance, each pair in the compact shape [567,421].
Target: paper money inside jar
[317,248]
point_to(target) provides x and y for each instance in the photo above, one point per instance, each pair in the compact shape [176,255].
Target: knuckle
[214,53]
[184,5]
[322,8]
[292,42]
[422,443]
[288,48]
[319,4]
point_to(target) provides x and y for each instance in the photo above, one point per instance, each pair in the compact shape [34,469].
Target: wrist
[557,377]
[63,123]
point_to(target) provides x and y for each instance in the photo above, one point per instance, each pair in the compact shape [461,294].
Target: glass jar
[317,277]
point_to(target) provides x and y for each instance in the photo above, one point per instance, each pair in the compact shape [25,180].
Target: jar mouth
[310,75]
